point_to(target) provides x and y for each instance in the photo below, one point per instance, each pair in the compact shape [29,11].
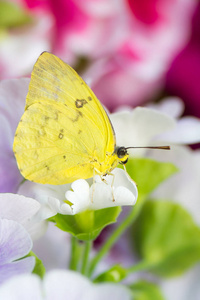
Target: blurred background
[129,52]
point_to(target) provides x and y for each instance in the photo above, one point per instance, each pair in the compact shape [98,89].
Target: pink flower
[134,71]
[123,49]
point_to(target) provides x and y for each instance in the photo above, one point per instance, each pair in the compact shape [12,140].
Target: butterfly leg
[112,184]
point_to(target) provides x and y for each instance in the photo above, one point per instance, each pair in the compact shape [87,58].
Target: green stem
[142,265]
[75,254]
[116,234]
[86,254]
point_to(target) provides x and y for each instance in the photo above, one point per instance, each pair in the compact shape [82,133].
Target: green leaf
[148,174]
[11,15]
[166,237]
[115,274]
[144,290]
[39,268]
[87,225]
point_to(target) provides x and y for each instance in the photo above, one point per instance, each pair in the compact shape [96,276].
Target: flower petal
[187,131]
[59,284]
[25,265]
[80,195]
[144,124]
[22,287]
[15,241]
[122,192]
[22,210]
[62,285]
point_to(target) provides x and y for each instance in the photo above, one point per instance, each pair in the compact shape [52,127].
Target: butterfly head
[122,154]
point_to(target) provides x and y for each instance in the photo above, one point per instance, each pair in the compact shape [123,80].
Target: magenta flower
[183,76]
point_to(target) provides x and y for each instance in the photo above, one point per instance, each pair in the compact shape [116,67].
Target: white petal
[62,285]
[123,180]
[122,192]
[140,127]
[22,287]
[187,131]
[80,195]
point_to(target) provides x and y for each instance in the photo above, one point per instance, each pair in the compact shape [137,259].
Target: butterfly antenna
[151,147]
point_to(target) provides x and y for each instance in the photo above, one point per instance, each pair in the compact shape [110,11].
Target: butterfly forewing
[63,127]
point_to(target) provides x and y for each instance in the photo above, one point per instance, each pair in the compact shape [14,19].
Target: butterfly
[65,133]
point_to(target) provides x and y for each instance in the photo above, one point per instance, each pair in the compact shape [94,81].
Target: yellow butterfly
[65,133]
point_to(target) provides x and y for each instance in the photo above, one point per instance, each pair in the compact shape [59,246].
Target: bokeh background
[129,52]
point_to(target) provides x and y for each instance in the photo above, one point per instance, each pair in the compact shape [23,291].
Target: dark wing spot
[60,135]
[47,167]
[80,102]
[79,132]
[90,98]
[64,156]
[46,118]
[62,130]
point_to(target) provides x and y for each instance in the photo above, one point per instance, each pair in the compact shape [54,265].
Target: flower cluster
[133,233]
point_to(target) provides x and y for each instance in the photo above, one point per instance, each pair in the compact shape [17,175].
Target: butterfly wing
[64,126]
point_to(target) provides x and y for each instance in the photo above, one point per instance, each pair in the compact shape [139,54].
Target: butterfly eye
[121,152]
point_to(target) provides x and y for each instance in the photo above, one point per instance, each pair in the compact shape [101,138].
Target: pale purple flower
[15,243]
[12,102]
[22,210]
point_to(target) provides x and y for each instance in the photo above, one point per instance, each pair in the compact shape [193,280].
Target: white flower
[140,127]
[158,125]
[61,285]
[187,129]
[82,196]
